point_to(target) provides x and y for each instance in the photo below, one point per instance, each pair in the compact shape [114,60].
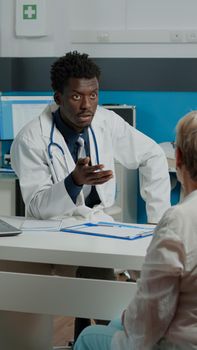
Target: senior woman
[163,313]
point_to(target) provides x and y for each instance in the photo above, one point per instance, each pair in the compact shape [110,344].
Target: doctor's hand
[86,174]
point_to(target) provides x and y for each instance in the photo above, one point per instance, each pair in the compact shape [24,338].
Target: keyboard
[7,229]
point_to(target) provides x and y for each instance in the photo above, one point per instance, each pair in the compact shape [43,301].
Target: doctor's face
[78,102]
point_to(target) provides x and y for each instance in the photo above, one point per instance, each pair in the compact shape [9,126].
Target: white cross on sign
[29,12]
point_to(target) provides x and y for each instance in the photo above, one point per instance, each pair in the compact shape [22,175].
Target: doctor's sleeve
[155,183]
[43,198]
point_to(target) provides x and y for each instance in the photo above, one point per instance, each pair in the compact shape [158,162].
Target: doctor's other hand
[87,174]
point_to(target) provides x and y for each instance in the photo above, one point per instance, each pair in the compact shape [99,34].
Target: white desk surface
[39,297]
[70,249]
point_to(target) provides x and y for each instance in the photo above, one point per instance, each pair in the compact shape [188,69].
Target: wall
[156,112]
[154,20]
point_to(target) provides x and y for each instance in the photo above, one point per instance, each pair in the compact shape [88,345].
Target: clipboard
[111,230]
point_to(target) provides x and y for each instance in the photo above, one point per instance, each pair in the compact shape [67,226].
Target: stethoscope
[55,144]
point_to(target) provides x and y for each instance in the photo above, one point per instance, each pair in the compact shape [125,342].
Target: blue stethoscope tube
[52,144]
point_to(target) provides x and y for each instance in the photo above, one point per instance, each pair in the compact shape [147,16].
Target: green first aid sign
[29,11]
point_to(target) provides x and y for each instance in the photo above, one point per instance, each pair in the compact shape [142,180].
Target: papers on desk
[31,224]
[101,228]
[111,230]
[41,225]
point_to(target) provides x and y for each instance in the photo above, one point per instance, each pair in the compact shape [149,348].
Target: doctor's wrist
[75,180]
[72,189]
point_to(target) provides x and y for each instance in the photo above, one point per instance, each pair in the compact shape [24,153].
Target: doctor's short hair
[72,65]
[186,141]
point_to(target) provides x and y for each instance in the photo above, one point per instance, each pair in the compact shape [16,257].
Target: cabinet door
[7,197]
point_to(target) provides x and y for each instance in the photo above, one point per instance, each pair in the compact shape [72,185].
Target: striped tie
[82,154]
[81,149]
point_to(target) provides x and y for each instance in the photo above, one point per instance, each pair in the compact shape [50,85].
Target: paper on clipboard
[111,230]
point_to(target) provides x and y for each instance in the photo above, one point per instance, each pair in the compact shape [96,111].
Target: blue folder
[82,229]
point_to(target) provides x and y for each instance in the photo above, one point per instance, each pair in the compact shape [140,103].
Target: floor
[64,326]
[63,330]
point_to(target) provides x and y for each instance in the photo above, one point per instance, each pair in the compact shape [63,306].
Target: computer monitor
[127,112]
[18,110]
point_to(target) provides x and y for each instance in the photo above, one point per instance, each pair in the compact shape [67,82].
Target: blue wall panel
[156,112]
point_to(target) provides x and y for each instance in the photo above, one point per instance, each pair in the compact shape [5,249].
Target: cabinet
[11,202]
[7,195]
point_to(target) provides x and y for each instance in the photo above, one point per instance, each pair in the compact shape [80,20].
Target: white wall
[143,28]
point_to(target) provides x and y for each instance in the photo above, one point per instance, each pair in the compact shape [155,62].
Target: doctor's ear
[57,98]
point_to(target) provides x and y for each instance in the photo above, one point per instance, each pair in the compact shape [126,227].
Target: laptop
[8,230]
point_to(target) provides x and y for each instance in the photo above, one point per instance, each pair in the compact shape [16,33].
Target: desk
[42,296]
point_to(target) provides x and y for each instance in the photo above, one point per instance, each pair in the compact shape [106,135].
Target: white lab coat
[42,184]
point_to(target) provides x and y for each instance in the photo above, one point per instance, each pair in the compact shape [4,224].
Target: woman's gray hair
[186,141]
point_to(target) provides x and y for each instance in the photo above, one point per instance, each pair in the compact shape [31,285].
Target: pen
[91,224]
[147,233]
